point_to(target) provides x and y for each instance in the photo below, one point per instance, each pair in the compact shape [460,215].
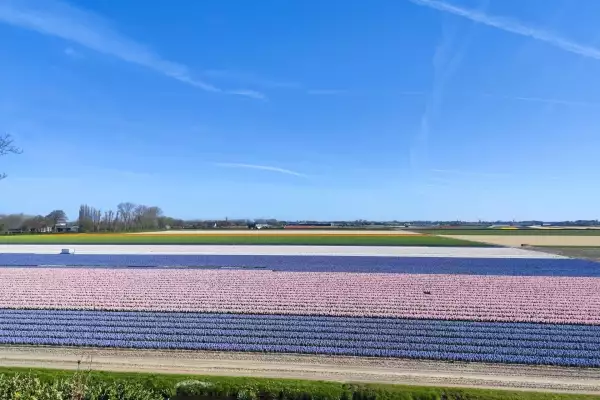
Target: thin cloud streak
[326,92]
[446,61]
[54,18]
[249,93]
[262,167]
[513,26]
[470,173]
[72,53]
[411,93]
[250,79]
[545,100]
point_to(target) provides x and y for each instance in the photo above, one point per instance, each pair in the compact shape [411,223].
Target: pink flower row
[481,298]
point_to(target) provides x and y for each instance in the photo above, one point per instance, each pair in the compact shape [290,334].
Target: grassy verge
[313,240]
[512,232]
[196,387]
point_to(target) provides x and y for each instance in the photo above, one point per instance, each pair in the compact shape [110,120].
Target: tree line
[35,223]
[126,217]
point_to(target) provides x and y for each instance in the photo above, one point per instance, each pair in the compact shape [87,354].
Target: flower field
[522,310]
[453,297]
[443,340]
[294,263]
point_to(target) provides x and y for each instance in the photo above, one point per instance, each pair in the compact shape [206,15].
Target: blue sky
[384,109]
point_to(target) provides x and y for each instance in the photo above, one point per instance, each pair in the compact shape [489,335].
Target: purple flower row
[353,340]
[228,328]
[184,340]
[493,356]
[407,338]
[152,318]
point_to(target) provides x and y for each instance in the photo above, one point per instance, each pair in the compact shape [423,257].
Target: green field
[305,239]
[21,383]
[512,232]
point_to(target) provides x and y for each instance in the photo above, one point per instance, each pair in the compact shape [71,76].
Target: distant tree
[35,224]
[126,213]
[90,219]
[178,223]
[13,221]
[39,222]
[139,215]
[109,221]
[7,147]
[96,218]
[145,217]
[84,220]
[56,216]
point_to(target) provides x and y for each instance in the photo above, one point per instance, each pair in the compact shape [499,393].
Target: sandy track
[343,369]
[466,252]
[532,240]
[278,232]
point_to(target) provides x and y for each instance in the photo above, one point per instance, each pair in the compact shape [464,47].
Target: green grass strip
[199,387]
[309,240]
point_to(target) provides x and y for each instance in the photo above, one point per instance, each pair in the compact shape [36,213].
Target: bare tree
[108,220]
[126,213]
[7,147]
[34,224]
[139,214]
[96,218]
[146,217]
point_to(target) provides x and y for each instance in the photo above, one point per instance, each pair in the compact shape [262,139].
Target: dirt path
[343,369]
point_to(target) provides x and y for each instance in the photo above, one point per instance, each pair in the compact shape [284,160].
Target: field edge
[334,375]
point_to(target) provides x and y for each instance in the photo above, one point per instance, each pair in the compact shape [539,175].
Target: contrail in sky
[512,26]
[261,167]
[94,32]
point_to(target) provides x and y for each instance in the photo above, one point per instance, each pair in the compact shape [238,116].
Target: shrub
[77,387]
